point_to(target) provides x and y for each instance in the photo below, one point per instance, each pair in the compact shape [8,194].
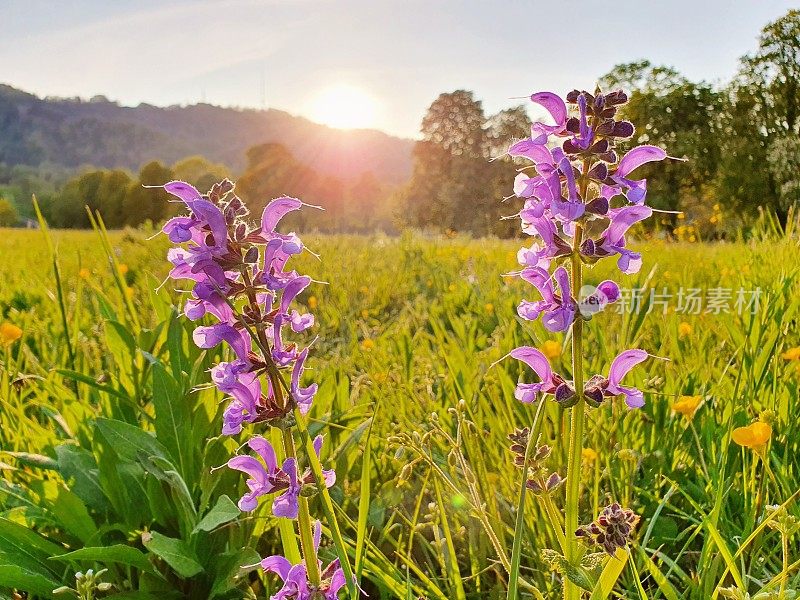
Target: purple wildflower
[296,585]
[558,311]
[266,477]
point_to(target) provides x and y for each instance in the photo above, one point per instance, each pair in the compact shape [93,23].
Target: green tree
[8,213]
[200,172]
[146,203]
[682,116]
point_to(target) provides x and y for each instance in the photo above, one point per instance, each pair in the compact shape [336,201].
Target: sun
[344,106]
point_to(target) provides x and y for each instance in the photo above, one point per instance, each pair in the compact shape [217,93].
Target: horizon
[91,49]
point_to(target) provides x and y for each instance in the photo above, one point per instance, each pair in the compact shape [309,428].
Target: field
[416,416]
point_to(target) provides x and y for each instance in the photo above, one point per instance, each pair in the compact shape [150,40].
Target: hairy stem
[577,413]
[572,591]
[304,520]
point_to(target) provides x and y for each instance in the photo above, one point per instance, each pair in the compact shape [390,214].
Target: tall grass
[426,490]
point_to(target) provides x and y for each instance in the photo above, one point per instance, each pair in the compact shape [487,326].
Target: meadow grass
[416,416]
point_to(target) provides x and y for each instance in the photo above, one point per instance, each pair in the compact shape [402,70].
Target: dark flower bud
[598,206]
[565,395]
[600,147]
[623,129]
[534,486]
[241,233]
[612,529]
[572,97]
[554,481]
[573,125]
[599,102]
[542,452]
[251,256]
[599,171]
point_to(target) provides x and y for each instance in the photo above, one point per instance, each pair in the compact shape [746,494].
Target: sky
[360,63]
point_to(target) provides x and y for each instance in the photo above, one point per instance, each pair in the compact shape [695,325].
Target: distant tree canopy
[358,205]
[455,185]
[740,142]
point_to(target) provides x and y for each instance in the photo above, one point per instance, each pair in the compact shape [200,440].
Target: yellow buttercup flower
[588,456]
[681,216]
[551,349]
[312,302]
[123,268]
[754,436]
[684,329]
[687,405]
[84,273]
[791,354]
[9,333]
[367,344]
[489,307]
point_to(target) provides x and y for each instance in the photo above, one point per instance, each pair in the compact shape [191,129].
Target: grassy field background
[407,329]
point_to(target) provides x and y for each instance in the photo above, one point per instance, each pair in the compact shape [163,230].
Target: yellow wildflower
[364,290]
[687,406]
[684,329]
[367,344]
[551,349]
[588,456]
[791,354]
[84,273]
[123,268]
[754,436]
[9,333]
[489,307]
[681,216]
[312,302]
[365,314]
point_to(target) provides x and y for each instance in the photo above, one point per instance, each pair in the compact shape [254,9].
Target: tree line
[741,141]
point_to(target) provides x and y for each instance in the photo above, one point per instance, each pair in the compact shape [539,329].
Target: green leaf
[175,553]
[79,469]
[576,574]
[224,511]
[26,547]
[71,512]
[90,381]
[128,440]
[15,576]
[172,418]
[610,575]
[228,566]
[118,554]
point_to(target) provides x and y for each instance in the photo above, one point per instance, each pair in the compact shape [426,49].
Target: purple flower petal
[637,157]
[553,104]
[278,565]
[276,210]
[622,364]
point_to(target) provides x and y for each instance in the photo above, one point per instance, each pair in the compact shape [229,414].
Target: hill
[74,132]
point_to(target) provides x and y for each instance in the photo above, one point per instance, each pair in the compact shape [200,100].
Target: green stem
[304,520]
[572,591]
[572,509]
[519,526]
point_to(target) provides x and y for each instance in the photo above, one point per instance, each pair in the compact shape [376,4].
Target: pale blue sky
[402,53]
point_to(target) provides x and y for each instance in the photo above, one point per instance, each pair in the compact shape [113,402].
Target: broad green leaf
[224,511]
[26,547]
[176,553]
[15,576]
[128,440]
[118,554]
[173,418]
